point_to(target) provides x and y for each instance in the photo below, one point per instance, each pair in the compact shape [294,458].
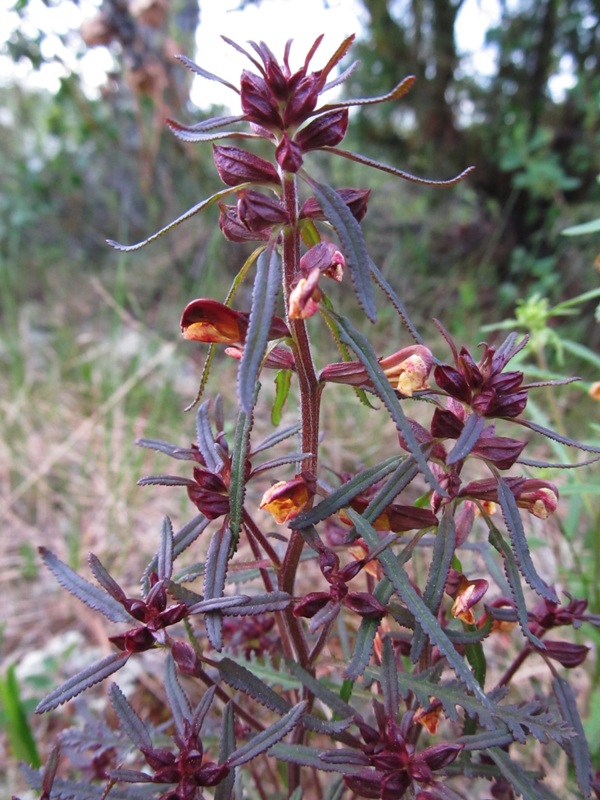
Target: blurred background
[90,357]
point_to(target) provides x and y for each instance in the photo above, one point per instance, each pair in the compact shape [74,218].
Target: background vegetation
[79,349]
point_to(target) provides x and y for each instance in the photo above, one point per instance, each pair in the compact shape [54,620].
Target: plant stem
[309,400]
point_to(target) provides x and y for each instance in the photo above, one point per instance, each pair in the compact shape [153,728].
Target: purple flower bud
[355,199]
[439,756]
[310,604]
[288,154]
[234,229]
[324,131]
[445,424]
[257,211]
[236,166]
[453,382]
[568,654]
[186,658]
[365,605]
[137,640]
[304,93]
[258,101]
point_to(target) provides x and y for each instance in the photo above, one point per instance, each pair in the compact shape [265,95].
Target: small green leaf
[584,229]
[396,302]
[16,724]
[283,382]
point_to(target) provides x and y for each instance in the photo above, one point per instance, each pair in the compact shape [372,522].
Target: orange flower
[206,320]
[305,296]
[286,499]
[468,595]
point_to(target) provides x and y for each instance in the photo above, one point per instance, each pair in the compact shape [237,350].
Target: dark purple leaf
[352,244]
[264,298]
[129,720]
[83,680]
[177,698]
[264,740]
[92,596]
[514,525]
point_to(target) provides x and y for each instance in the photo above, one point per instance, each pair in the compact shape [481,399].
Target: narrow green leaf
[577,747]
[319,690]
[396,302]
[309,757]
[362,347]
[514,581]
[283,382]
[342,496]
[469,436]
[476,658]
[129,720]
[556,437]
[202,709]
[404,474]
[352,244]
[583,229]
[264,299]
[177,698]
[514,525]
[264,740]
[83,680]
[214,581]
[242,679]
[93,596]
[165,553]
[522,781]
[17,728]
[181,541]
[105,579]
[237,480]
[395,573]
[276,437]
[407,176]
[389,680]
[224,790]
[443,552]
[129,248]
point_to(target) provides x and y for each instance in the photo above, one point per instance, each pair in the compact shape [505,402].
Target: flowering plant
[381,672]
